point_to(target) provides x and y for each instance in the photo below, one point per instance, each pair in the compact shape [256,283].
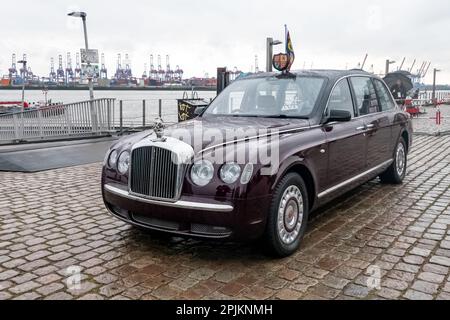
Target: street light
[83,15]
[24,64]
[433,97]
[388,63]
[269,52]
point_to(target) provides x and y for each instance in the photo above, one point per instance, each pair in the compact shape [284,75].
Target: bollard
[143,113]
[160,108]
[121,115]
[438,116]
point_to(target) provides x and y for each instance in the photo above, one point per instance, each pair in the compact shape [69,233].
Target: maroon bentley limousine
[323,133]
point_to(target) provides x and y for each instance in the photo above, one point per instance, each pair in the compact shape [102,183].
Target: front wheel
[288,216]
[397,171]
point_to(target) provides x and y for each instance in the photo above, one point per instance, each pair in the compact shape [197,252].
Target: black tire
[288,186]
[395,174]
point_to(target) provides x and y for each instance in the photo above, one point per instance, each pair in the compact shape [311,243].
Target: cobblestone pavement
[425,125]
[50,221]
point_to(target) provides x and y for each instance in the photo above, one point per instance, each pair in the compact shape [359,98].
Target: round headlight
[124,162]
[230,172]
[112,160]
[202,172]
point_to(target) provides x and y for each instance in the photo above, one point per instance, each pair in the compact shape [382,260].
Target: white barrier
[74,119]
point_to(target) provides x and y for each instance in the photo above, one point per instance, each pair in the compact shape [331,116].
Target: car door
[346,140]
[377,123]
[388,109]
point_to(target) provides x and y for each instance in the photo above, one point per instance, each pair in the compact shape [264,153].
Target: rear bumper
[201,218]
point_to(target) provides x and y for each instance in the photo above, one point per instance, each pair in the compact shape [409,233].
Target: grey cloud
[201,34]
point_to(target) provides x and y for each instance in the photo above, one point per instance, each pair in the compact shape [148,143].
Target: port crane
[144,74]
[77,67]
[60,76]
[23,70]
[153,71]
[69,70]
[178,74]
[13,69]
[128,72]
[103,70]
[169,71]
[52,74]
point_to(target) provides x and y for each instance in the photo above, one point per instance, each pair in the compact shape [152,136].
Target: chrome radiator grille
[154,174]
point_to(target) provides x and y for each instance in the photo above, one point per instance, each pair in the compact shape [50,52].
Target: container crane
[128,73]
[77,67]
[52,74]
[153,72]
[169,72]
[161,72]
[179,74]
[60,76]
[103,70]
[13,69]
[119,70]
[23,70]
[144,74]
[69,70]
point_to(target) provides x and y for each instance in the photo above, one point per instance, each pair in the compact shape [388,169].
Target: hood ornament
[158,128]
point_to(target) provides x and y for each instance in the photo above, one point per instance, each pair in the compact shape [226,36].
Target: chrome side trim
[178,204]
[359,176]
[258,136]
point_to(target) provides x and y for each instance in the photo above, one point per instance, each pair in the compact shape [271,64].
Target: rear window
[366,97]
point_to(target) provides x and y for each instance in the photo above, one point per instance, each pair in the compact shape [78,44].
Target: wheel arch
[406,137]
[307,176]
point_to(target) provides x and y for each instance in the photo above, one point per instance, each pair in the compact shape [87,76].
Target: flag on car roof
[289,48]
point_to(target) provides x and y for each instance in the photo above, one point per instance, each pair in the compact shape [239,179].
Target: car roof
[328,73]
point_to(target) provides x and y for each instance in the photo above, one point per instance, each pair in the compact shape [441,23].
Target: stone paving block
[402,230]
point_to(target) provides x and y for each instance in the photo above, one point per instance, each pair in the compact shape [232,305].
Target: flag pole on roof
[289,49]
[283,61]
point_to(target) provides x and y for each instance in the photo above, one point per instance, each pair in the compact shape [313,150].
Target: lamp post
[24,66]
[388,63]
[269,52]
[83,15]
[433,96]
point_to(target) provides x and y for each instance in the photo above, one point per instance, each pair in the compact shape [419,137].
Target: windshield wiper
[285,116]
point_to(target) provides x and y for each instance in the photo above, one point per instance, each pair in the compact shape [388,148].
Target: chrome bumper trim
[178,204]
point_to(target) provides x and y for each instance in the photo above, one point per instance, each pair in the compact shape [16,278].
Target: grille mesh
[153,173]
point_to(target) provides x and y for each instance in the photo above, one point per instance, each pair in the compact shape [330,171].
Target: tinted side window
[341,98]
[366,98]
[385,98]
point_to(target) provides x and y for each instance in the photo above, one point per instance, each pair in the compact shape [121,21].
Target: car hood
[205,133]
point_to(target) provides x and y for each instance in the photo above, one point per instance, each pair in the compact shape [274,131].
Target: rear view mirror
[339,116]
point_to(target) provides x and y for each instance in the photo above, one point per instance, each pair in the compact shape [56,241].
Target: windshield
[293,97]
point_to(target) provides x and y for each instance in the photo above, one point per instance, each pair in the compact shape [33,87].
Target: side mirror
[339,116]
[199,110]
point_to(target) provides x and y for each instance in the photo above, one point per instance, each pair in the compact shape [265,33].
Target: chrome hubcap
[400,159]
[290,214]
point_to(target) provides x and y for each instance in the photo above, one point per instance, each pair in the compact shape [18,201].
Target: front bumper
[202,218]
[189,205]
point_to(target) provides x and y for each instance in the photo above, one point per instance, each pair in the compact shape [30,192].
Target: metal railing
[138,114]
[59,121]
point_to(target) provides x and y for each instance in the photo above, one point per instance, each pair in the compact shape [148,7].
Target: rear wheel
[397,171]
[288,216]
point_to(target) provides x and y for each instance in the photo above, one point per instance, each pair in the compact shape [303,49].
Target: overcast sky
[200,35]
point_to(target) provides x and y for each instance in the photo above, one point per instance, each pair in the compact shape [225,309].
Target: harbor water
[132,101]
